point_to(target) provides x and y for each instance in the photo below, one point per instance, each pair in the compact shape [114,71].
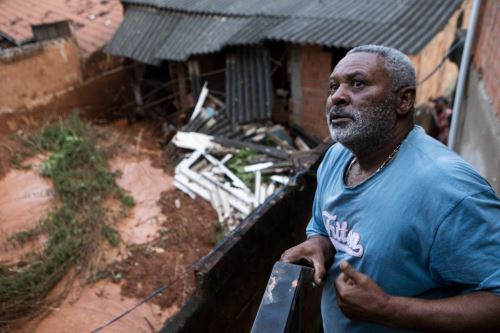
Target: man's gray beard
[369,127]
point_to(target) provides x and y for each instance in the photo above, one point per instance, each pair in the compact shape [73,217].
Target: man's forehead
[363,62]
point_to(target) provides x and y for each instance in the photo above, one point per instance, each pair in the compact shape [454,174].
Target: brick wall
[315,68]
[487,50]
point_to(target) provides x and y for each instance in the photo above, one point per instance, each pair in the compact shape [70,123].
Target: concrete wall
[34,74]
[310,67]
[479,131]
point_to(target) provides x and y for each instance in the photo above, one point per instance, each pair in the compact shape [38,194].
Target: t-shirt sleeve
[466,250]
[316,226]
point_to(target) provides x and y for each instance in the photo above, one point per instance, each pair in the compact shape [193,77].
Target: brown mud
[162,235]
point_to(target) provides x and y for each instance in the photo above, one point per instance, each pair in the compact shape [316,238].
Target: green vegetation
[75,228]
[238,163]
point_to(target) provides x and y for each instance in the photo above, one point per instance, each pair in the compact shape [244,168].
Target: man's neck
[369,159]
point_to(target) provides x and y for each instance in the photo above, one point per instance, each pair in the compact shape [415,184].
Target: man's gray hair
[398,65]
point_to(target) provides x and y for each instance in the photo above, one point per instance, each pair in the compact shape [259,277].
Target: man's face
[360,109]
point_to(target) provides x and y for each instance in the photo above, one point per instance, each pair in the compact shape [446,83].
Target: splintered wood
[214,169]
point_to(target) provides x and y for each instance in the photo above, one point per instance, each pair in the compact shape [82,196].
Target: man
[405,235]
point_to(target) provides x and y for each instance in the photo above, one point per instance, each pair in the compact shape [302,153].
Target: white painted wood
[236,181]
[200,102]
[193,140]
[258,166]
[256,199]
[280,179]
[184,189]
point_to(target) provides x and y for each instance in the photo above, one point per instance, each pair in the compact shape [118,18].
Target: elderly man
[405,235]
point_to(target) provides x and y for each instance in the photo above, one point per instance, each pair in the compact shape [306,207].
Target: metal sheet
[142,34]
[209,25]
[249,93]
[198,34]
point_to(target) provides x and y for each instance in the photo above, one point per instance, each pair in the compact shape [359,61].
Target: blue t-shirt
[427,225]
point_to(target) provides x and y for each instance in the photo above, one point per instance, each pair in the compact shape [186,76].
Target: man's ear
[406,100]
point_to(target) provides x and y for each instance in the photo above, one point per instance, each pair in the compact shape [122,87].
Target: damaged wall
[310,68]
[34,74]
[443,81]
[486,52]
[479,129]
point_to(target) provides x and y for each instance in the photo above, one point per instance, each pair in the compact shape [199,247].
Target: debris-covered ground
[95,218]
[235,167]
[135,250]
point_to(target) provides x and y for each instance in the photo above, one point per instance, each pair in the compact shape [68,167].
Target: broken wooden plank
[217,205]
[257,167]
[226,158]
[187,162]
[236,181]
[199,103]
[240,194]
[270,189]
[258,181]
[262,194]
[207,187]
[281,154]
[193,140]
[184,189]
[280,179]
[192,186]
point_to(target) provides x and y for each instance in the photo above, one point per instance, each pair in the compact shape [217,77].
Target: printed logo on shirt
[342,238]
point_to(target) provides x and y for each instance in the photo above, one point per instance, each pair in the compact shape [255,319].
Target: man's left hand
[359,297]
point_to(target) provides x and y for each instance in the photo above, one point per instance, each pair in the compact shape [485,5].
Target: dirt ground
[162,236]
[188,234]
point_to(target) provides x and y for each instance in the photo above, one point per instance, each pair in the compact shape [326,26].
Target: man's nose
[339,97]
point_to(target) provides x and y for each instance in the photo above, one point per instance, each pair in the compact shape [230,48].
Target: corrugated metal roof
[95,20]
[360,10]
[254,31]
[150,35]
[142,34]
[197,34]
[204,26]
[249,93]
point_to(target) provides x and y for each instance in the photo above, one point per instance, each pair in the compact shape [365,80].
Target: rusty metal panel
[249,93]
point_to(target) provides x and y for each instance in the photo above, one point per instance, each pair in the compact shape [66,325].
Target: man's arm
[317,250]
[360,298]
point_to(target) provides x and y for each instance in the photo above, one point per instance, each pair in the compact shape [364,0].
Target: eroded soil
[162,236]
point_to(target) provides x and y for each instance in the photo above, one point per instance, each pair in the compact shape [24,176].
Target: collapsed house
[273,58]
[234,167]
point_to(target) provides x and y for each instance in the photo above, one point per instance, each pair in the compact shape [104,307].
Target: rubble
[235,167]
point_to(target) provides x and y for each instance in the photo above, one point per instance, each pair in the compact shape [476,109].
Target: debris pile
[234,167]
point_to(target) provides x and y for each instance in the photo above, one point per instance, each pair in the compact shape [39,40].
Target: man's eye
[333,86]
[357,83]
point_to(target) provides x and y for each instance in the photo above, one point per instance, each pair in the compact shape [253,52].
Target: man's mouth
[336,118]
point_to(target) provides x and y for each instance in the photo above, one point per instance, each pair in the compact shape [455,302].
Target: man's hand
[317,251]
[359,297]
